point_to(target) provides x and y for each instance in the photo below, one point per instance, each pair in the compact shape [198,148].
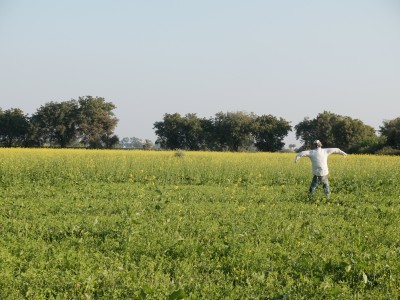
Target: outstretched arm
[301,154]
[336,151]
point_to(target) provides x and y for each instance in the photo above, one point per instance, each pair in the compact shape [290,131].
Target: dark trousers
[316,181]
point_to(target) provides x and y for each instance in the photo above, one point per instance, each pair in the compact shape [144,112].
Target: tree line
[86,122]
[239,131]
[90,122]
[231,131]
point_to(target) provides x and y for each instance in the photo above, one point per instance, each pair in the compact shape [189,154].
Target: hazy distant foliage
[131,143]
[136,143]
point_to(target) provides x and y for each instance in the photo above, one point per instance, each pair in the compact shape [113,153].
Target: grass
[80,224]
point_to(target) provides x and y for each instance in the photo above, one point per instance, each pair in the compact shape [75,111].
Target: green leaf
[142,295]
[179,294]
[145,290]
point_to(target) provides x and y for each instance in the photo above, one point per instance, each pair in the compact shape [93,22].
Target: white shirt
[319,159]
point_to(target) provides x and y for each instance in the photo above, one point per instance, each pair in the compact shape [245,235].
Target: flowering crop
[111,224]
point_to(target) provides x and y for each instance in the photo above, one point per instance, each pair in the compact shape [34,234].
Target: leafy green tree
[233,130]
[194,133]
[109,141]
[319,128]
[170,132]
[368,145]
[57,123]
[348,132]
[391,130]
[269,132]
[14,127]
[97,122]
[307,132]
[207,137]
[333,131]
[177,132]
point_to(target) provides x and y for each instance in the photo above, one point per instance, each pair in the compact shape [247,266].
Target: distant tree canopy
[88,121]
[56,123]
[177,132]
[269,132]
[391,130]
[131,143]
[14,127]
[136,143]
[231,131]
[334,131]
[97,122]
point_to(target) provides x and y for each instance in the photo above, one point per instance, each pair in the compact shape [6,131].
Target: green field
[87,224]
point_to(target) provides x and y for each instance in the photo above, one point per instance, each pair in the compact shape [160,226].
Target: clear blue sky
[287,58]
